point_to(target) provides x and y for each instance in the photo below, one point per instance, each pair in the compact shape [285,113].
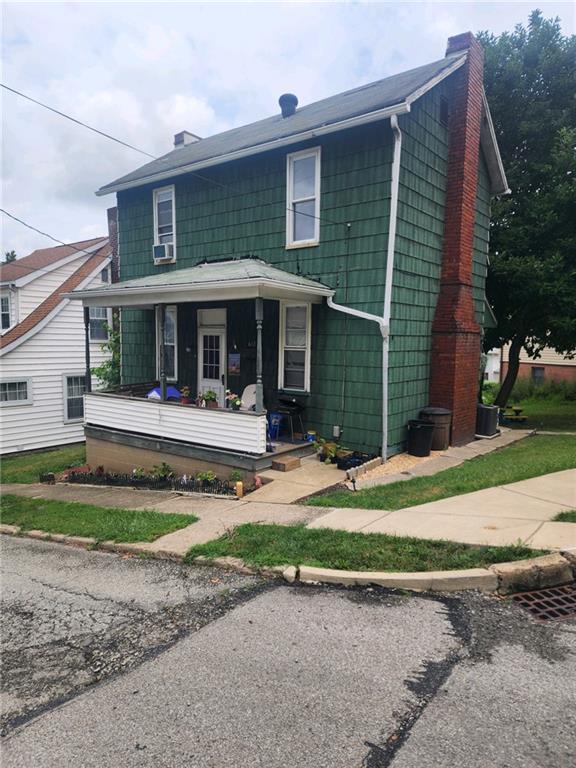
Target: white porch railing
[215,428]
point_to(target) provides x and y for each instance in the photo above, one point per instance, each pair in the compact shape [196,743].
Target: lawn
[27,467]
[100,523]
[537,455]
[566,517]
[552,414]
[267,545]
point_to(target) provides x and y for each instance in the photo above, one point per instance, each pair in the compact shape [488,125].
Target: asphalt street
[114,661]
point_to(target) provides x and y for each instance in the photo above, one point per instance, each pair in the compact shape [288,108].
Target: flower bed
[151,483]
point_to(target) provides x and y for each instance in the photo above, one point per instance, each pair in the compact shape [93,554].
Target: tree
[10,256]
[530,81]
[108,372]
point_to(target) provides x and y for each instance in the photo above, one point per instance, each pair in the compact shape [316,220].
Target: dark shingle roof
[359,101]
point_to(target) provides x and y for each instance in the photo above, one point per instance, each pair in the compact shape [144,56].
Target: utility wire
[45,234]
[153,157]
[78,122]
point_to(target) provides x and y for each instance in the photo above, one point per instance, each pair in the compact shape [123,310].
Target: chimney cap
[288,103]
[185,137]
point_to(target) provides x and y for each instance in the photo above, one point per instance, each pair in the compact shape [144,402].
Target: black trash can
[420,437]
[442,420]
[486,420]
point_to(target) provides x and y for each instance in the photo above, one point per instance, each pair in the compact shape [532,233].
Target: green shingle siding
[481,238]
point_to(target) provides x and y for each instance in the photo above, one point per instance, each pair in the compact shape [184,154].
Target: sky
[145,71]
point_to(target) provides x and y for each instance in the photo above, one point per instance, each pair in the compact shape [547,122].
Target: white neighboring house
[42,362]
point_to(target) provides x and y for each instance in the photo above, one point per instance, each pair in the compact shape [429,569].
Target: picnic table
[513,413]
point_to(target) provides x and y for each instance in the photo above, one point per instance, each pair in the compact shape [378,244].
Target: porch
[240,326]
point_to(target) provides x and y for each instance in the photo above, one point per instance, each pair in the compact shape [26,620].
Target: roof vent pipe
[288,103]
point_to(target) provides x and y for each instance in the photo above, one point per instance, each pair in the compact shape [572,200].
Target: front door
[212,352]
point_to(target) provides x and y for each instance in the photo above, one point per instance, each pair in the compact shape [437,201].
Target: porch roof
[238,279]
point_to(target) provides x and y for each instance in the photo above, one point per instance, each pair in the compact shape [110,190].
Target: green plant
[162,471]
[108,373]
[206,477]
[138,472]
[236,475]
[489,392]
[209,396]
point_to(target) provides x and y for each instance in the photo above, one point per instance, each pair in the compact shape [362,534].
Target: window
[537,374]
[98,324]
[164,216]
[170,344]
[5,311]
[16,392]
[74,388]
[294,367]
[303,198]
[105,275]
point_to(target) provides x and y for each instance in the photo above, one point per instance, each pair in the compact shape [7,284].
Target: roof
[34,321]
[43,258]
[238,279]
[373,99]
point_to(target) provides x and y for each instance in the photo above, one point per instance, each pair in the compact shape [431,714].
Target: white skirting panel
[216,428]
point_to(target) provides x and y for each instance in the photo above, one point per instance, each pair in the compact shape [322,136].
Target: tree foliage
[10,256]
[530,80]
[108,373]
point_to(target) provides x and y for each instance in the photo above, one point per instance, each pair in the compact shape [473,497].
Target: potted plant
[185,395]
[210,398]
[233,401]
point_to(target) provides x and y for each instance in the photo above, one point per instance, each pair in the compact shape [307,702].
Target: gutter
[384,321]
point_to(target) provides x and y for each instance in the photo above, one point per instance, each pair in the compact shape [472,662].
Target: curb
[502,578]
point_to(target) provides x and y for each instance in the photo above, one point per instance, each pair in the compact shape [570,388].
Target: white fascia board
[352,122]
[28,278]
[489,143]
[213,291]
[56,311]
[459,60]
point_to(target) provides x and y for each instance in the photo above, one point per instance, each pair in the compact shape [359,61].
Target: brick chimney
[112,214]
[455,361]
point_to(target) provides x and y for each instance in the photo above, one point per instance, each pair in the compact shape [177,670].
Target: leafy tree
[10,256]
[530,81]
[108,373]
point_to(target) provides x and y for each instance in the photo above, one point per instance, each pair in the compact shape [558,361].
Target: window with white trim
[99,323]
[170,344]
[105,275]
[303,198]
[74,388]
[164,216]
[295,335]
[5,311]
[15,392]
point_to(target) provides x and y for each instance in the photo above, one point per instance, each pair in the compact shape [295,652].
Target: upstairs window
[5,311]
[303,198]
[98,324]
[294,367]
[164,216]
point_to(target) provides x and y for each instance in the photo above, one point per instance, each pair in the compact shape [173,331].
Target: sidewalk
[508,514]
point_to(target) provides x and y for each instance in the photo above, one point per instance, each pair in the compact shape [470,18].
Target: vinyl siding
[35,292]
[55,350]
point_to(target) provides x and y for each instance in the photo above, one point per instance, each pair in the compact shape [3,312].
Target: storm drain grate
[552,604]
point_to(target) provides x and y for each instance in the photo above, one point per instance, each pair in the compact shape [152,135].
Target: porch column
[259,304]
[88,374]
[162,326]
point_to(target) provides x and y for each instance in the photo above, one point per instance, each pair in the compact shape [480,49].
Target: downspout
[384,321]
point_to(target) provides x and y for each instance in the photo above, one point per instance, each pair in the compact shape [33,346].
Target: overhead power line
[153,157]
[78,122]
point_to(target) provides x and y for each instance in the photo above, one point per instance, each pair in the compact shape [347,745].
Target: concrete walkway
[508,514]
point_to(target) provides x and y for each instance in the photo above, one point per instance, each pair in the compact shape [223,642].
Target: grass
[100,523]
[26,468]
[553,414]
[569,516]
[537,455]
[267,545]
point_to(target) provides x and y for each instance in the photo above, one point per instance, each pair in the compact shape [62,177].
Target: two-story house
[334,253]
[42,355]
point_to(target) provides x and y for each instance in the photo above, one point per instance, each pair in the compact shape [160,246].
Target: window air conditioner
[163,254]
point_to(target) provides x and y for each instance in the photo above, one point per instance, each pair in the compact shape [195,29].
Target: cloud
[144,71]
